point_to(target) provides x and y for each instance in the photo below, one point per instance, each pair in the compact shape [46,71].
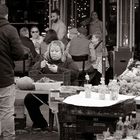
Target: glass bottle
[133,121]
[126,126]
[127,122]
[102,89]
[119,129]
[87,78]
[120,124]
[114,88]
[87,87]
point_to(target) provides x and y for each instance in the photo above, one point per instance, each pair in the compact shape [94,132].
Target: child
[56,61]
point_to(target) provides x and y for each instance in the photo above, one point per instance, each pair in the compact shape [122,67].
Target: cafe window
[27,11]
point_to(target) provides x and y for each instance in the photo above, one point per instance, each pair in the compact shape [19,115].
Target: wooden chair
[22,67]
[64,77]
[83,59]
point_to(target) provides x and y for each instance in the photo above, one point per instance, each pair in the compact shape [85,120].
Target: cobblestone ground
[35,135]
[28,134]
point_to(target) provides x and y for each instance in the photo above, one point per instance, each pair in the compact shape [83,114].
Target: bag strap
[98,44]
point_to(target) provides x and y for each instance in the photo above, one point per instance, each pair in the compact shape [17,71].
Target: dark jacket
[22,67]
[79,46]
[68,65]
[11,49]
[29,44]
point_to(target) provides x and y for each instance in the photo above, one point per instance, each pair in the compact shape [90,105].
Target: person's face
[72,35]
[94,16]
[55,52]
[94,39]
[35,33]
[6,16]
[54,17]
[27,33]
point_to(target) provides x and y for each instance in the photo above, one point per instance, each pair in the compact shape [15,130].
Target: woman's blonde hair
[62,47]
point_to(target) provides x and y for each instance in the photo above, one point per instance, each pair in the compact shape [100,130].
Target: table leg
[51,119]
[57,122]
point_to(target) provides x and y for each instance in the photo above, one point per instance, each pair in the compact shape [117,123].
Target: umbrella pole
[104,40]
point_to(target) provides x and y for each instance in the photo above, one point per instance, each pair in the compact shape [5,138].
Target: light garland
[82,10]
[46,15]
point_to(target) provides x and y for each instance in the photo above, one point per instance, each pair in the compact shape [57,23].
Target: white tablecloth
[137,99]
[80,100]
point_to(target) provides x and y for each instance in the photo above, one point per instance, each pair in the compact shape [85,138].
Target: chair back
[64,77]
[81,58]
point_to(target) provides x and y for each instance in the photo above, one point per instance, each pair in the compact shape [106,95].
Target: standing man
[58,25]
[94,24]
[10,49]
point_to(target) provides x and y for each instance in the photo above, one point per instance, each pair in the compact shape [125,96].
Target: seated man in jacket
[24,36]
[22,67]
[56,62]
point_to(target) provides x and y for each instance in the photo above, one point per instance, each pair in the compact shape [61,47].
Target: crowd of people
[52,54]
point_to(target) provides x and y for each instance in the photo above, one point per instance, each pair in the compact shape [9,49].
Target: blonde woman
[56,62]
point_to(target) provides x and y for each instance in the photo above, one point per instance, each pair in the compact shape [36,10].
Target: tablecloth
[80,100]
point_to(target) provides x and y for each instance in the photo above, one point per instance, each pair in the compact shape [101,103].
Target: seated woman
[36,38]
[56,61]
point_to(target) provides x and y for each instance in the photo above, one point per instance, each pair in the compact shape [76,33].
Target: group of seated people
[51,56]
[79,44]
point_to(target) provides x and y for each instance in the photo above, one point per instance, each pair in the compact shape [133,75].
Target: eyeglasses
[34,32]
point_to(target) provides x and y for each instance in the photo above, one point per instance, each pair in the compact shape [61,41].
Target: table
[55,104]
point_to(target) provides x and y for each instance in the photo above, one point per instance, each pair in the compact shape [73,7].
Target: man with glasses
[94,24]
[24,36]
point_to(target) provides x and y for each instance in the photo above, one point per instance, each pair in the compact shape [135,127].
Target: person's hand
[37,45]
[46,29]
[26,49]
[43,63]
[27,52]
[53,68]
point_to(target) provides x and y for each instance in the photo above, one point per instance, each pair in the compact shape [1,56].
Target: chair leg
[83,66]
[51,119]
[81,78]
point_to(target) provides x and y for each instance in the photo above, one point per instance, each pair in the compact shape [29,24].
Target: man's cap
[82,30]
[73,31]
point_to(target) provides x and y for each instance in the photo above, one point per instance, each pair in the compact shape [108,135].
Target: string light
[46,15]
[82,10]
